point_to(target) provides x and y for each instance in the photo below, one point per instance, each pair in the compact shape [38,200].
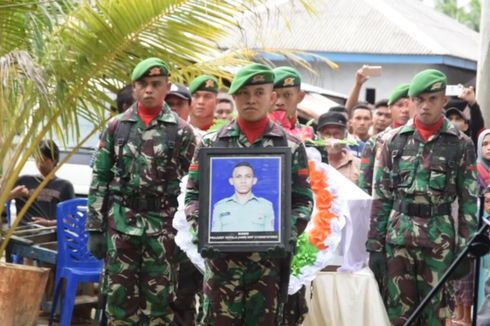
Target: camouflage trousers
[189,285]
[241,289]
[412,273]
[295,308]
[141,275]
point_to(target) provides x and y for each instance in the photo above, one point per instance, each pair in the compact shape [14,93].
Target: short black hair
[381,103]
[243,163]
[49,150]
[362,106]
[124,97]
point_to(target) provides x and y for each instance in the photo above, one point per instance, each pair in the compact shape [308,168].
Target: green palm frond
[62,60]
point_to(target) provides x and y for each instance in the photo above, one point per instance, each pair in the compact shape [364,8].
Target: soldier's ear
[230,180]
[254,181]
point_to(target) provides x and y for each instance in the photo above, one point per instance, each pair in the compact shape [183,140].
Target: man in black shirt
[43,210]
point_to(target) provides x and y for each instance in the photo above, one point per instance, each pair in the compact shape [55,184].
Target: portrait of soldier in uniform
[243,211]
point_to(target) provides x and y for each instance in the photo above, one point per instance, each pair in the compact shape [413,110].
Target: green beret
[150,67]
[401,91]
[427,81]
[204,83]
[253,74]
[286,77]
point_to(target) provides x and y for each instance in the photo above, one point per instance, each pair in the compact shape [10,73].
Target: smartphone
[454,90]
[372,71]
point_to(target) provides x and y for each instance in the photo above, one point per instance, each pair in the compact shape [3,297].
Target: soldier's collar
[166,115]
[409,127]
[232,130]
[273,129]
[449,128]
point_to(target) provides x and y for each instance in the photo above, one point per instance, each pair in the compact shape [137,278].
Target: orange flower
[321,222]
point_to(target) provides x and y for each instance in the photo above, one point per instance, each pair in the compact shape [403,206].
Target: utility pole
[483,71]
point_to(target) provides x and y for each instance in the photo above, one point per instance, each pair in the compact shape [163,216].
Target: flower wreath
[315,247]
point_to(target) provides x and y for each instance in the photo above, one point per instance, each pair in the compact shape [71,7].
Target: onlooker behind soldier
[483,163]
[43,210]
[179,99]
[225,107]
[353,98]
[204,91]
[360,121]
[381,117]
[483,318]
[332,126]
[124,99]
[477,123]
[463,297]
[459,118]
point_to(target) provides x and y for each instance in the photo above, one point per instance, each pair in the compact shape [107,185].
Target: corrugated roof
[405,27]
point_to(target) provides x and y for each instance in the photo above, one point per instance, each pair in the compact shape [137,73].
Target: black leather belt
[145,203]
[422,210]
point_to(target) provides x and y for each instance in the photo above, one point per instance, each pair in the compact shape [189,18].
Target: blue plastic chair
[74,263]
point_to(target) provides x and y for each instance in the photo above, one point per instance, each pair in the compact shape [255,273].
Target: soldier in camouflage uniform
[424,167]
[243,288]
[402,110]
[287,85]
[143,153]
[204,91]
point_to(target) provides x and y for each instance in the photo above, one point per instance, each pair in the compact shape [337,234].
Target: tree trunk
[483,74]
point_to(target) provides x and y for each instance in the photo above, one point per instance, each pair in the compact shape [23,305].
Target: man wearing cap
[460,119]
[179,99]
[143,153]
[243,288]
[332,126]
[204,91]
[424,167]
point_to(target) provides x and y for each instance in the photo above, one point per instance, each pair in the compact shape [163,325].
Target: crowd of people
[423,158]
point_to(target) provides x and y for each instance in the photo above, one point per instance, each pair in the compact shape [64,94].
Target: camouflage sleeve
[192,190]
[301,195]
[467,189]
[102,175]
[186,150]
[382,201]
[367,166]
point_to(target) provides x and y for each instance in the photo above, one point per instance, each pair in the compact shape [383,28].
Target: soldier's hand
[97,244]
[378,264]
[276,252]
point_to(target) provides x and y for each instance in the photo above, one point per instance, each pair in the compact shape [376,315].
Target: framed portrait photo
[244,199]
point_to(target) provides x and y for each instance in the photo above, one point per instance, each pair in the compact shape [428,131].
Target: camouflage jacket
[370,153]
[301,195]
[411,171]
[145,170]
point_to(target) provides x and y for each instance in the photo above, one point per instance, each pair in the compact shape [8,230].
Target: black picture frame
[244,227]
